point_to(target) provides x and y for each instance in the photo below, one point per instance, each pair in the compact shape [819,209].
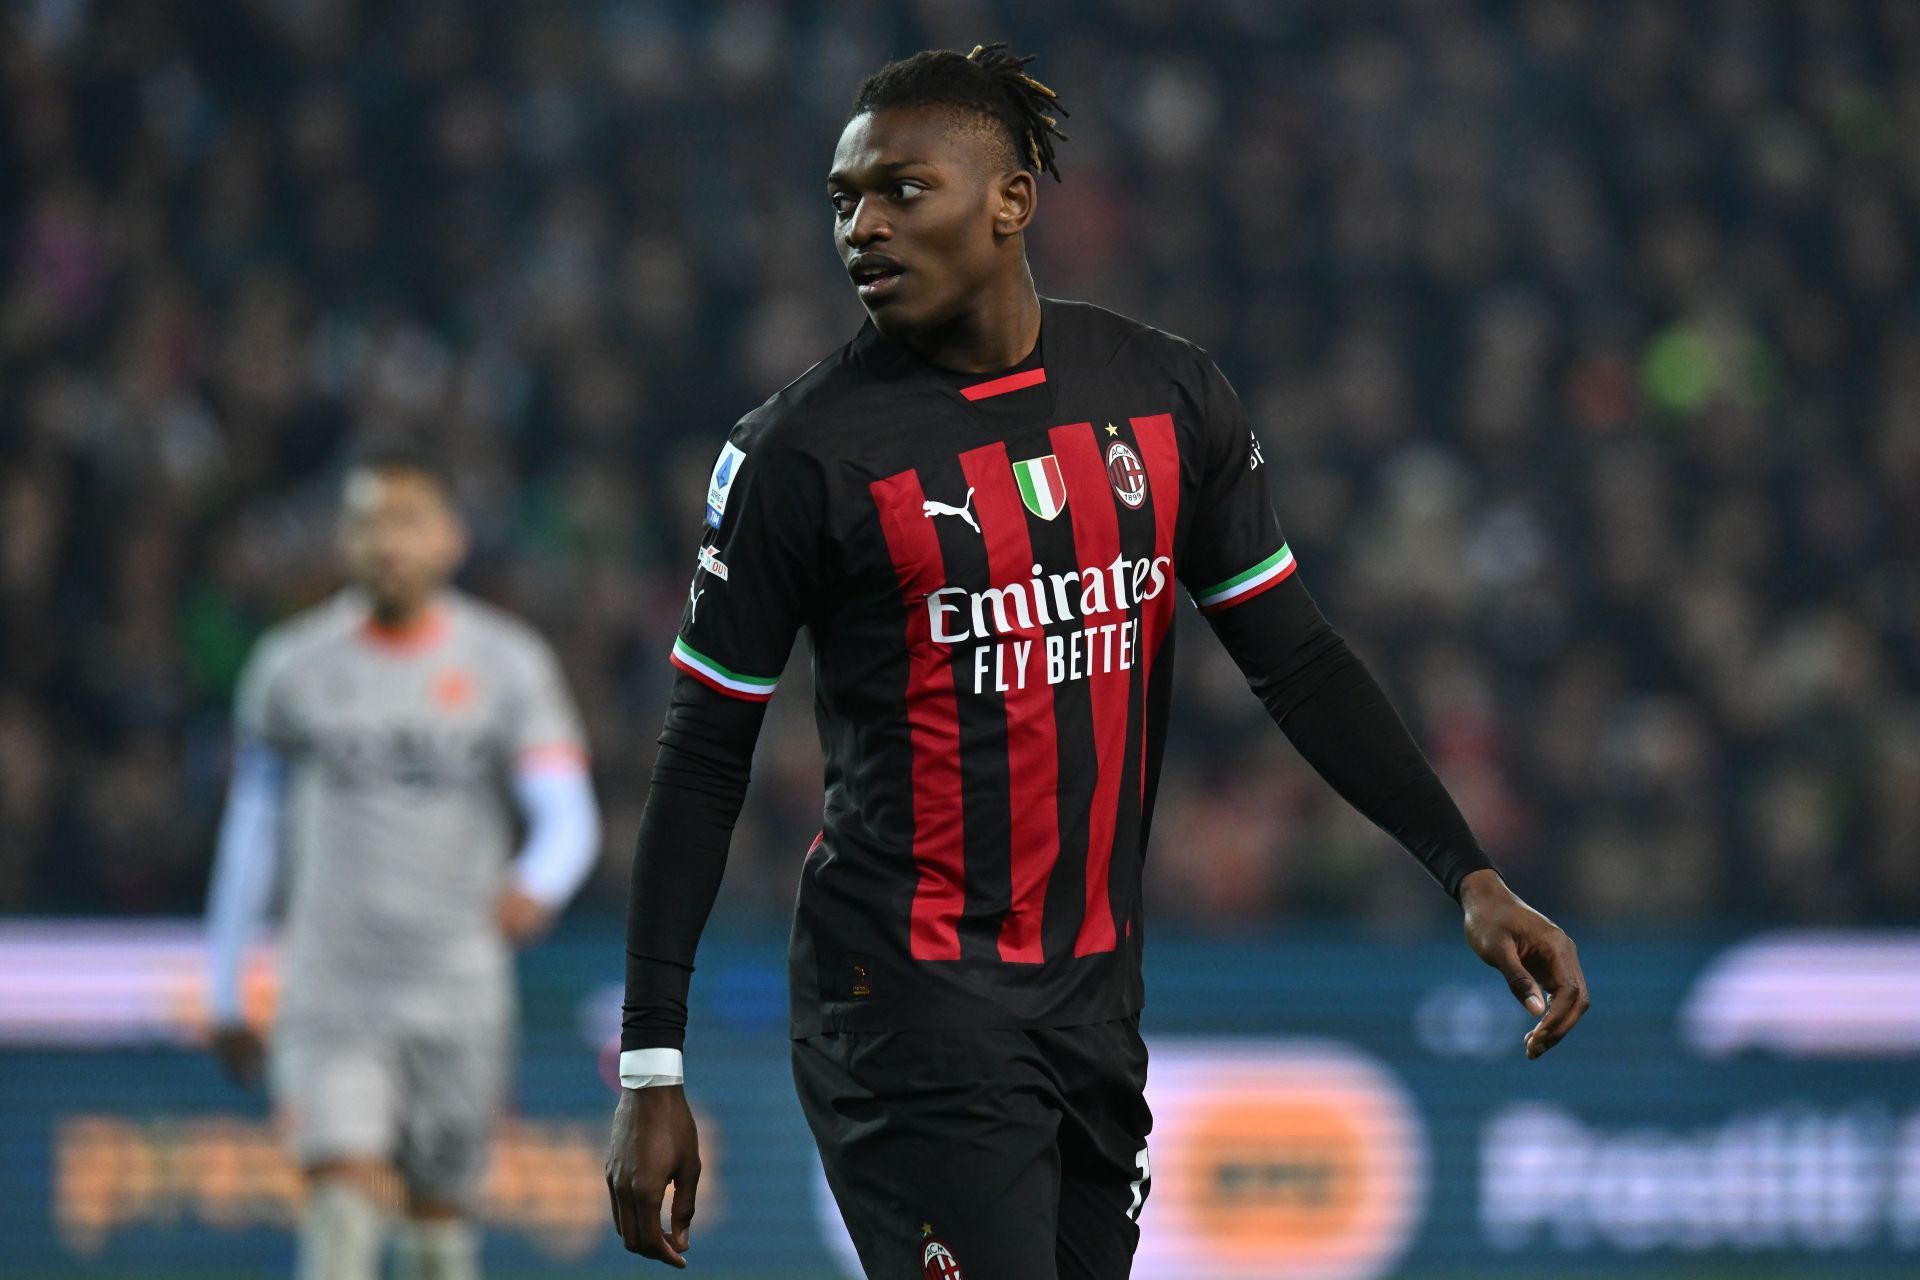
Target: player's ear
[1014,198]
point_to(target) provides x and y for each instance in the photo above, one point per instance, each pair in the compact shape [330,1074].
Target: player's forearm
[1349,732]
[678,863]
[563,832]
[699,782]
[244,864]
[1340,720]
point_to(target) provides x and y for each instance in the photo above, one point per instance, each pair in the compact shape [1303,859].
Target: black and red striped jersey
[986,568]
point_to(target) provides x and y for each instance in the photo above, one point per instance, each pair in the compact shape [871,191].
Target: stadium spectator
[1589,371]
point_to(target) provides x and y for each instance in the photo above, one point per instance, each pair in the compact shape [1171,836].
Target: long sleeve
[1339,719]
[563,829]
[699,782]
[1241,573]
[758,577]
[244,866]
[552,780]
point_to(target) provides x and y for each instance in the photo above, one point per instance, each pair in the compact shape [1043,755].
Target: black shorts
[983,1155]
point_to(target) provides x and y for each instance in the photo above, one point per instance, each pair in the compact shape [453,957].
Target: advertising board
[1326,1108]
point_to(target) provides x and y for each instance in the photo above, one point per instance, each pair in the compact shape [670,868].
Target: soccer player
[388,740]
[980,510]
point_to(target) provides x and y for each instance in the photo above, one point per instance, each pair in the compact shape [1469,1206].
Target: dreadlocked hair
[989,82]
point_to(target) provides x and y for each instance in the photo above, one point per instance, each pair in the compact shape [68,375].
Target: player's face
[925,216]
[399,537]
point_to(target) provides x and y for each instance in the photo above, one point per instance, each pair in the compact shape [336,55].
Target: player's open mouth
[876,278]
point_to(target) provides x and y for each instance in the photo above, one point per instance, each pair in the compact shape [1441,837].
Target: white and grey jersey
[399,818]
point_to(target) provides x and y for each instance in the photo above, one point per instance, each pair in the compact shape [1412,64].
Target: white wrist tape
[646,1068]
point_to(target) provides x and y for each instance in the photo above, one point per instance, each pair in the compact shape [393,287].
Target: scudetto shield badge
[1126,475]
[1042,488]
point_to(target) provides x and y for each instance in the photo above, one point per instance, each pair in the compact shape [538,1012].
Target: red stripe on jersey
[1096,540]
[1033,748]
[933,724]
[1160,450]
[1000,386]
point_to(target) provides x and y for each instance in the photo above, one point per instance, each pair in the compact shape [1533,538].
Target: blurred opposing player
[980,510]
[384,741]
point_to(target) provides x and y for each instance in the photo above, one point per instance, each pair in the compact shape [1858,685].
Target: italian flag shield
[1041,486]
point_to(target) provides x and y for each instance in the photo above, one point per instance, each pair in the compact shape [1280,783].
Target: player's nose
[391,551]
[867,225]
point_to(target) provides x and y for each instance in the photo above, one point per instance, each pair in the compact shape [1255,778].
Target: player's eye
[842,203]
[907,190]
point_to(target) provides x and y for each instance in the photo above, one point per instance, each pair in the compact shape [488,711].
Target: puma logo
[930,509]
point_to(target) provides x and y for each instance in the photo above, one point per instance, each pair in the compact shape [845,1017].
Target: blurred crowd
[1583,341]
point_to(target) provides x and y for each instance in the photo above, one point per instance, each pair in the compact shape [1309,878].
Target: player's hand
[522,919]
[240,1053]
[1531,952]
[654,1143]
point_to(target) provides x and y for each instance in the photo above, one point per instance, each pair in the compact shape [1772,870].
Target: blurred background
[1583,338]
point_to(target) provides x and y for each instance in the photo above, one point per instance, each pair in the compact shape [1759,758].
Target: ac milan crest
[936,1262]
[1126,475]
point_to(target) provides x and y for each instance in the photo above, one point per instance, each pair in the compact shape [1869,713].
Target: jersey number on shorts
[1140,1185]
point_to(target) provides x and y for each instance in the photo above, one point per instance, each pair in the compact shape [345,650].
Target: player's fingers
[686,1185]
[649,1239]
[1519,981]
[628,1214]
[619,1214]
[626,1217]
[1570,999]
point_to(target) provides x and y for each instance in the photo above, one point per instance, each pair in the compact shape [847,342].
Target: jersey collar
[423,633]
[1025,390]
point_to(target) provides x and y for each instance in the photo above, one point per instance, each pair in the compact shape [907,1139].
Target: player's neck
[403,619]
[998,332]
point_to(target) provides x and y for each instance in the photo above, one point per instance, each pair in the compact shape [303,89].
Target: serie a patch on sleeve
[721,482]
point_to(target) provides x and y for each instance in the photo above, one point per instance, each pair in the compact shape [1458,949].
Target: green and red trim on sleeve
[718,678]
[1248,583]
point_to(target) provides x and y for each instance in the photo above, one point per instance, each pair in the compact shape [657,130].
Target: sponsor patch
[713,564]
[1126,475]
[721,482]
